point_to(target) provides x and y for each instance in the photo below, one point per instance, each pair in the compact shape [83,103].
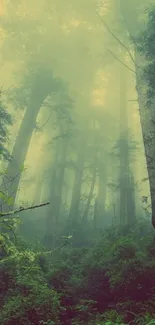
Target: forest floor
[111,283]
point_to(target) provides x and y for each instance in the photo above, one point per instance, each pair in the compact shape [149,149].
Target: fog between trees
[73,78]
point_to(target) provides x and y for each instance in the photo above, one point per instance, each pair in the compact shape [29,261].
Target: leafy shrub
[111,283]
[28,298]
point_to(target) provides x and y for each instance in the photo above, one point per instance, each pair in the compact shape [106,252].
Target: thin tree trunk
[59,186]
[90,196]
[76,192]
[131,210]
[38,190]
[50,221]
[101,196]
[56,190]
[124,150]
[95,214]
[127,197]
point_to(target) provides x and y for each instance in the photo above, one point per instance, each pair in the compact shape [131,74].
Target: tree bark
[50,219]
[57,200]
[101,196]
[131,210]
[16,165]
[124,149]
[147,118]
[90,196]
[147,115]
[76,192]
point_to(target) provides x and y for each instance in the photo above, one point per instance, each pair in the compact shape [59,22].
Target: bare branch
[116,38]
[40,127]
[120,60]
[11,213]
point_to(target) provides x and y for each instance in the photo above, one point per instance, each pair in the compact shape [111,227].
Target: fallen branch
[10,213]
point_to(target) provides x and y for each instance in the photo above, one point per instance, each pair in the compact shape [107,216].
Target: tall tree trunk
[147,118]
[76,192]
[127,197]
[99,210]
[15,166]
[39,189]
[95,148]
[51,221]
[147,115]
[95,214]
[57,199]
[42,84]
[124,150]
[90,195]
[131,209]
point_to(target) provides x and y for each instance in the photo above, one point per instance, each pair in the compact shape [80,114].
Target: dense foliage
[108,283]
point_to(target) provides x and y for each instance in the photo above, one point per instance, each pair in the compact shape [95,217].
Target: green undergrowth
[112,283]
